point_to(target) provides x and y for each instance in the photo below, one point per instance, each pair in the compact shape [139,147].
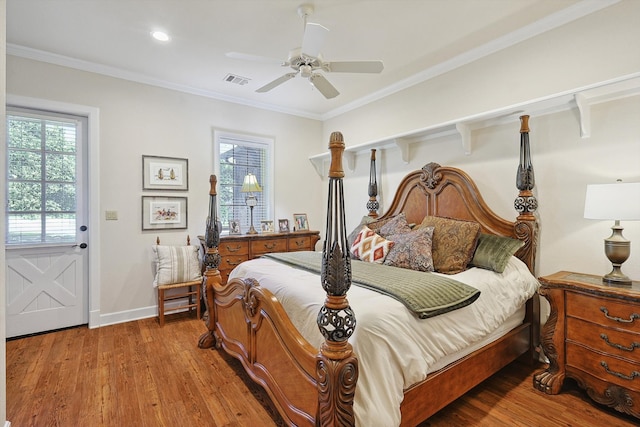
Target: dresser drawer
[229,262]
[607,340]
[604,311]
[263,246]
[302,243]
[608,368]
[233,248]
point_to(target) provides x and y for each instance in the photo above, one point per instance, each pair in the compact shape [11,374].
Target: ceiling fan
[307,60]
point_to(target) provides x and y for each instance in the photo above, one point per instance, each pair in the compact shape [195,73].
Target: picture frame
[165,173]
[234,227]
[283,225]
[160,213]
[300,222]
[266,226]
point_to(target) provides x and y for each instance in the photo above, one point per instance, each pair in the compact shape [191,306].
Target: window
[42,163]
[235,156]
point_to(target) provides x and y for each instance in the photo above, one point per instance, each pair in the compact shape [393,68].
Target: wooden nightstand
[235,249]
[593,336]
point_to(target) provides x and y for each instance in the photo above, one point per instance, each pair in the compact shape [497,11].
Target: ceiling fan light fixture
[305,71]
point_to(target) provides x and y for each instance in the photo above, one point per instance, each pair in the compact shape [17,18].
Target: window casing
[236,155]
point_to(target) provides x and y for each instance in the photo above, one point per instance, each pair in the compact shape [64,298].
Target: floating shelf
[582,99]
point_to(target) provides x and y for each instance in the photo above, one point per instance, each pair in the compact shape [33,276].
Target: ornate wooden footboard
[312,386]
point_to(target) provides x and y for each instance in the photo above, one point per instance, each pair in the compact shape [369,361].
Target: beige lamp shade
[250,184]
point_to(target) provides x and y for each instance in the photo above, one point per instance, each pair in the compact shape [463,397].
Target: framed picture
[300,222]
[165,173]
[266,226]
[164,212]
[234,226]
[283,225]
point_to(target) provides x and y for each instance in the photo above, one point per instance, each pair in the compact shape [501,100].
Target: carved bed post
[372,204]
[336,365]
[526,226]
[211,261]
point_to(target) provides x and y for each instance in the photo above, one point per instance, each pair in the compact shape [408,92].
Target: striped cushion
[176,264]
[370,247]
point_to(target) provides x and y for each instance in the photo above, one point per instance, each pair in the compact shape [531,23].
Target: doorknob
[82,245]
[83,228]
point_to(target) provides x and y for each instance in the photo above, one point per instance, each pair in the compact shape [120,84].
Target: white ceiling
[416,40]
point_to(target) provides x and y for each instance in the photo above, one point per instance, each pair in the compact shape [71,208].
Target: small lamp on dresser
[250,185]
[616,201]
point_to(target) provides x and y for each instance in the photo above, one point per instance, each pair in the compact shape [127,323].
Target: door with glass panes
[46,222]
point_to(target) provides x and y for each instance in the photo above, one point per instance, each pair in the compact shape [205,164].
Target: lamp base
[252,230]
[616,278]
[617,249]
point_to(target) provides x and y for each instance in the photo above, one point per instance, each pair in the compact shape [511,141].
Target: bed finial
[372,204]
[526,203]
[336,366]
[211,262]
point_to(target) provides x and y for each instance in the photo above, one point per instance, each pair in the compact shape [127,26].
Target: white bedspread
[395,349]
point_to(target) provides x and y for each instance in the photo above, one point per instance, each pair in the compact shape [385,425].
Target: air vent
[239,80]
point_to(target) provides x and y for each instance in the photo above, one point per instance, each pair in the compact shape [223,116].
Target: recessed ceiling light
[160,36]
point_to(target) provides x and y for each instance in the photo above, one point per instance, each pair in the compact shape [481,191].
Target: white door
[46,247]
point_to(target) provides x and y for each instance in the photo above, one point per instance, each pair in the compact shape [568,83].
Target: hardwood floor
[138,374]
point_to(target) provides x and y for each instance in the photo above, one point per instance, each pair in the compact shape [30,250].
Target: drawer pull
[618,374]
[633,346]
[632,318]
[300,243]
[270,245]
[234,263]
[233,249]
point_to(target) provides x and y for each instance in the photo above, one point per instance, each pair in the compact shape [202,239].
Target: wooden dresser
[235,249]
[593,336]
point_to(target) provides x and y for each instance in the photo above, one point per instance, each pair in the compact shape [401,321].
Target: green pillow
[493,252]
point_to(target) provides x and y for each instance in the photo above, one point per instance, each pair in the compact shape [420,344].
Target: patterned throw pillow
[396,225]
[352,236]
[412,250]
[454,242]
[176,264]
[370,246]
[493,252]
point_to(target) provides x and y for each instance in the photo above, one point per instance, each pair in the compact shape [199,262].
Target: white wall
[588,51]
[137,119]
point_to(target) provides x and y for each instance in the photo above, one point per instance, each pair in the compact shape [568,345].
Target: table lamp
[616,201]
[250,185]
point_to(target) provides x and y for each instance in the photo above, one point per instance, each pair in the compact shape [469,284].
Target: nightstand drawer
[300,243]
[233,248]
[607,340]
[608,368]
[604,311]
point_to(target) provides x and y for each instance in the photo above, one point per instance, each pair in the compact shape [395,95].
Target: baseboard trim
[132,315]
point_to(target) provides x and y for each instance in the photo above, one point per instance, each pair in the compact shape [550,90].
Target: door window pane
[41,178]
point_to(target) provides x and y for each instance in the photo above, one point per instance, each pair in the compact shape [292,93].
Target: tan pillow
[454,242]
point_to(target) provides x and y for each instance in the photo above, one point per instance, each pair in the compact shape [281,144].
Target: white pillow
[176,264]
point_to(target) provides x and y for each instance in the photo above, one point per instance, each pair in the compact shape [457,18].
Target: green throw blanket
[426,294]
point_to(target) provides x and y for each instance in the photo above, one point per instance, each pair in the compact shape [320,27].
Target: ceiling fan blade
[323,86]
[314,36]
[254,58]
[276,82]
[354,66]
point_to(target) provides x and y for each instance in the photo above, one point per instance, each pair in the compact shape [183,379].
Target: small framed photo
[266,226]
[164,212]
[234,226]
[300,222]
[283,225]
[165,173]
